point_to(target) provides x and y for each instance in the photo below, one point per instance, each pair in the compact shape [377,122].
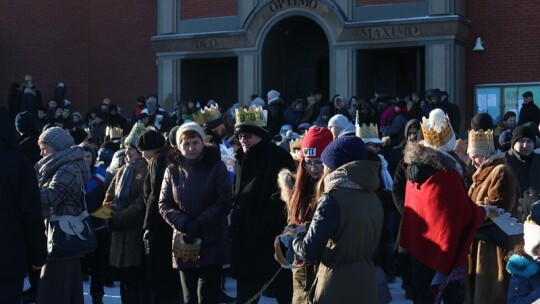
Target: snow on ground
[112,295]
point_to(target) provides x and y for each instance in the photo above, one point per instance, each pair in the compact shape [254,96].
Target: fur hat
[520,132]
[189,126]
[315,141]
[150,140]
[437,131]
[78,134]
[339,121]
[482,121]
[342,151]
[58,138]
[25,122]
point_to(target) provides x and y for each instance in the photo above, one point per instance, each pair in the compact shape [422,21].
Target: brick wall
[194,9]
[509,30]
[98,48]
[379,2]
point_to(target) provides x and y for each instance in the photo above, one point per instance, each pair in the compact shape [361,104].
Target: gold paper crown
[255,116]
[114,132]
[437,139]
[480,141]
[295,145]
[364,131]
[136,132]
[207,114]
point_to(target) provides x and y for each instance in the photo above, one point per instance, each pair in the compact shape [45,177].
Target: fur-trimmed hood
[418,154]
[286,180]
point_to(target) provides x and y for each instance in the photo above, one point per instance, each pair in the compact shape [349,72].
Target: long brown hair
[303,200]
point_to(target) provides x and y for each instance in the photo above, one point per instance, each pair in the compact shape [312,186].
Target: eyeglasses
[245,136]
[315,164]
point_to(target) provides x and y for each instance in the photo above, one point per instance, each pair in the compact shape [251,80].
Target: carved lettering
[278,5]
[206,43]
[390,32]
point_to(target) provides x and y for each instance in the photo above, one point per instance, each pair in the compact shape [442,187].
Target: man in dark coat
[258,212]
[529,111]
[522,159]
[20,216]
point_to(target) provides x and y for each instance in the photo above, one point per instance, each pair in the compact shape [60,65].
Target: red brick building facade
[104,48]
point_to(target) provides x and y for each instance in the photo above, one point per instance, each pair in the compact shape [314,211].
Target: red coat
[439,221]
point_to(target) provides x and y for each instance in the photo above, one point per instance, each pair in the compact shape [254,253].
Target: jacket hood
[416,123]
[522,266]
[365,173]
[417,154]
[286,180]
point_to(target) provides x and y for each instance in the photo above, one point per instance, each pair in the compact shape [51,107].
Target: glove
[193,229]
[147,240]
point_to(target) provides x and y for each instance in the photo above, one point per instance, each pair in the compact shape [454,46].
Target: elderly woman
[494,184]
[299,192]
[124,196]
[346,226]
[195,201]
[62,175]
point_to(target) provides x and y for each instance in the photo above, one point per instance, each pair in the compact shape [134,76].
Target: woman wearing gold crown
[494,184]
[195,200]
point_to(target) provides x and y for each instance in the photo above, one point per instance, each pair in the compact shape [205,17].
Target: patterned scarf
[339,179]
[122,191]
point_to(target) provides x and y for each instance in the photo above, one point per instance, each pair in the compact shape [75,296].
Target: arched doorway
[295,59]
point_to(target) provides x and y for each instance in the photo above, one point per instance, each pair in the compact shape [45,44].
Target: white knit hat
[189,126]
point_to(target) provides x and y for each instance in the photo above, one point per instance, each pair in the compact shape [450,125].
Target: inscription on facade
[278,5]
[206,43]
[390,32]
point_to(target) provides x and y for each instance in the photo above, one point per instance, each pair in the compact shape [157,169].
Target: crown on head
[137,130]
[253,115]
[114,132]
[207,114]
[364,131]
[437,130]
[480,141]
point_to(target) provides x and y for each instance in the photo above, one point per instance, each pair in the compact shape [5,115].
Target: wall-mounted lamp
[479,45]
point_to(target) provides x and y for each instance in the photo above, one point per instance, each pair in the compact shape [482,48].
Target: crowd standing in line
[202,188]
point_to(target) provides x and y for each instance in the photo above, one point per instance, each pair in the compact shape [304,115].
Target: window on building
[497,99]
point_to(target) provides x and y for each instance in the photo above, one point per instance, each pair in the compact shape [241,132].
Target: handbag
[71,235]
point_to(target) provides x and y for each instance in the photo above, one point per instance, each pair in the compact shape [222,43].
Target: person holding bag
[62,174]
[195,200]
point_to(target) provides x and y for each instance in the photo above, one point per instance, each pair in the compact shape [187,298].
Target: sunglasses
[315,164]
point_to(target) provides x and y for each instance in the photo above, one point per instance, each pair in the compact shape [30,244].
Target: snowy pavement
[112,295]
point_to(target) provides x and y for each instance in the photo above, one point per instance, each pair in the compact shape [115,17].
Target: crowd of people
[315,201]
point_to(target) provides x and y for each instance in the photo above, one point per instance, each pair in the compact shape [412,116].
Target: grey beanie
[58,138]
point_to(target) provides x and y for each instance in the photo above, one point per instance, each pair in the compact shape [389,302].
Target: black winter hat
[150,140]
[78,134]
[520,132]
[25,122]
[527,94]
[482,121]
